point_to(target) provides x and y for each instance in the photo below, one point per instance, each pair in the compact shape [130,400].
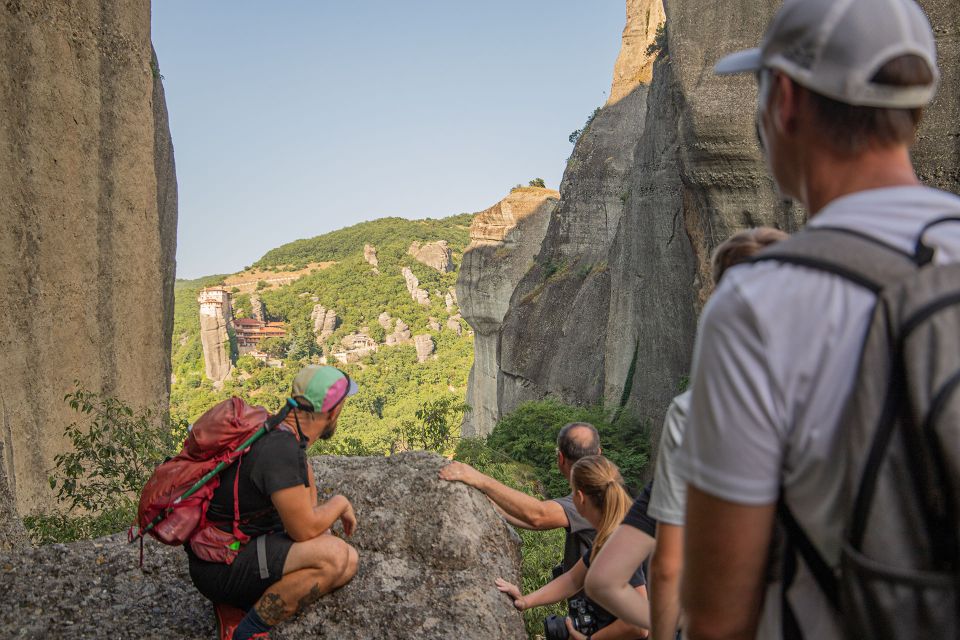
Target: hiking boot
[227,620]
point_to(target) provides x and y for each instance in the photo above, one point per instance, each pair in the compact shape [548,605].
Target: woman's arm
[665,570]
[556,590]
[616,630]
[608,581]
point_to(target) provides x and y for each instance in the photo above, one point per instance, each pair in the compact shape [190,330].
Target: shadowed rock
[429,554]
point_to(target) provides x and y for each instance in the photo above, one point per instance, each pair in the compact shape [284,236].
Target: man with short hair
[575,440]
[291,559]
[842,87]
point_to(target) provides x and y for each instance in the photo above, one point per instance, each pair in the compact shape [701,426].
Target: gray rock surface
[215,319]
[257,310]
[453,324]
[504,239]
[370,255]
[608,311]
[325,322]
[401,333]
[429,554]
[88,194]
[419,295]
[436,255]
[12,534]
[425,346]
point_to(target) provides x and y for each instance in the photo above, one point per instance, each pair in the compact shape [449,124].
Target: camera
[582,615]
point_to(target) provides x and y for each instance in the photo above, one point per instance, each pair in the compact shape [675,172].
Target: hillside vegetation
[393,385]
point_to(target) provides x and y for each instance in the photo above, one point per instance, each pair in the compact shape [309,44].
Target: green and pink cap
[322,386]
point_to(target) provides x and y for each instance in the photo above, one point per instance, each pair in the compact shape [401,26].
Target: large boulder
[436,255]
[429,554]
[89,199]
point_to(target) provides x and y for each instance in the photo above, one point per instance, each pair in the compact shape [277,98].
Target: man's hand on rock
[513,591]
[460,472]
[349,520]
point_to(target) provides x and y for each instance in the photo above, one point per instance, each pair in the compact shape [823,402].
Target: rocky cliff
[429,554]
[216,318]
[436,255]
[88,191]
[503,241]
[661,176]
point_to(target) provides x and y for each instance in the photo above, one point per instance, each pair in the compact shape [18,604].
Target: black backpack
[900,561]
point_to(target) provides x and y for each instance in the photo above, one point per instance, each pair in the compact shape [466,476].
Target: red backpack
[173,503]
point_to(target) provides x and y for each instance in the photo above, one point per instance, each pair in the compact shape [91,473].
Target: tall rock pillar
[89,201]
[503,241]
[216,319]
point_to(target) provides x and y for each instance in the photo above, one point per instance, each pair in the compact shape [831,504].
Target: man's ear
[784,105]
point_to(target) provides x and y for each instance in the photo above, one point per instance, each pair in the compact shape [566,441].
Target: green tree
[538,182]
[275,347]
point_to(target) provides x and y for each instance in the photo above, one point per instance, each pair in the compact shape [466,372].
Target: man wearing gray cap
[842,84]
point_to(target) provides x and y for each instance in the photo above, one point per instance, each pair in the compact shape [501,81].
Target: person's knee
[347,567]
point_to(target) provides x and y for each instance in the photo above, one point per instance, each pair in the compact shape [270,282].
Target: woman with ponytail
[600,497]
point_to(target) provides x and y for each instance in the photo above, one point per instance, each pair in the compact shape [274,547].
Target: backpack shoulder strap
[846,253]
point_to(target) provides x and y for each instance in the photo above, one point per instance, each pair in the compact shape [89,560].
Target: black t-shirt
[604,617]
[276,461]
[637,516]
[580,533]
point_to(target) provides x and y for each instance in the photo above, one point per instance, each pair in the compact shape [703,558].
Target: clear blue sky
[298,117]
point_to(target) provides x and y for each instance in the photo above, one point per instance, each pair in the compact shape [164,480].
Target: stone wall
[88,191]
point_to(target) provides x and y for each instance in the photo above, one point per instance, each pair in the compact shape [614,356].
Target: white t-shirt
[668,501]
[777,351]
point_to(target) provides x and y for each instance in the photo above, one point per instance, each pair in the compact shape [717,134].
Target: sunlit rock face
[660,177]
[89,199]
[436,255]
[504,239]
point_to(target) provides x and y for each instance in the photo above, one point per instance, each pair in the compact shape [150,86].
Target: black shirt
[604,617]
[580,533]
[637,516]
[276,461]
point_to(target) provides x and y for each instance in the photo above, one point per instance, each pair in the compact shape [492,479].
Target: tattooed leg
[273,609]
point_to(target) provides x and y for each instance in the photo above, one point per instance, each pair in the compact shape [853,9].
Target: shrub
[529,435]
[114,452]
[538,182]
[436,427]
[659,45]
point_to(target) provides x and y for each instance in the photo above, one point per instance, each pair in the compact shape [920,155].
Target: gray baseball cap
[834,47]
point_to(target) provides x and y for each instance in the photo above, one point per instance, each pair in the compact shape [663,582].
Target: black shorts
[239,584]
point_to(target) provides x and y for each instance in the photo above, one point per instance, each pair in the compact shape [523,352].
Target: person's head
[319,393]
[576,440]
[838,79]
[742,246]
[599,496]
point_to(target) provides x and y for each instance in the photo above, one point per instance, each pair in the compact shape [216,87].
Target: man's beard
[328,433]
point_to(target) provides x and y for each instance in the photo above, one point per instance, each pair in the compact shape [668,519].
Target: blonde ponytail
[600,482]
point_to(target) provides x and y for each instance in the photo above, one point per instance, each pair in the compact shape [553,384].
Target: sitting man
[291,559]
[575,440]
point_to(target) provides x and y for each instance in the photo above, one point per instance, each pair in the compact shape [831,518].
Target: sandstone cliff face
[429,554]
[424,345]
[413,287]
[88,190]
[553,336]
[634,65]
[503,241]
[436,255]
[324,323]
[257,310]
[608,312]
